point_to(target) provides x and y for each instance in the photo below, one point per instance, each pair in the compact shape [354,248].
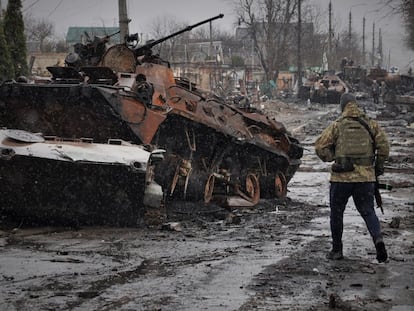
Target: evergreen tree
[408,15]
[15,38]
[6,67]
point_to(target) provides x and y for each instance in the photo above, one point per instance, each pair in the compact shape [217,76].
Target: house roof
[77,34]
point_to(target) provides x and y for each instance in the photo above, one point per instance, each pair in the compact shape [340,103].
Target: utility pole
[350,33]
[210,50]
[299,46]
[123,20]
[373,46]
[363,41]
[379,49]
[389,60]
[330,35]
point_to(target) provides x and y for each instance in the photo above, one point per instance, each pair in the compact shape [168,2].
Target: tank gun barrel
[106,38]
[100,39]
[141,50]
[113,34]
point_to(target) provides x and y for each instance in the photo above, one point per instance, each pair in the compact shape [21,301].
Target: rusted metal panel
[161,78]
[119,58]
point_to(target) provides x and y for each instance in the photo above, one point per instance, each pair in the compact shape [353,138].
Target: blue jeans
[363,196]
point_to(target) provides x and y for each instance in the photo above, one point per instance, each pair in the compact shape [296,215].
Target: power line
[30,6]
[60,2]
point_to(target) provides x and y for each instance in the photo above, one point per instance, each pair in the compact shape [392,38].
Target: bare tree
[164,26]
[228,42]
[38,30]
[203,33]
[409,22]
[270,27]
[405,8]
[314,37]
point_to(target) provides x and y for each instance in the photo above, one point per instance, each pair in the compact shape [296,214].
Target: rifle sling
[366,126]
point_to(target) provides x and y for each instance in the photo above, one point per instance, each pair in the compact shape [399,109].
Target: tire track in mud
[193,278]
[148,267]
[84,289]
[263,237]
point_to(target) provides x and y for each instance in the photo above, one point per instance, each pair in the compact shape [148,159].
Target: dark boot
[336,252]
[382,255]
[335,255]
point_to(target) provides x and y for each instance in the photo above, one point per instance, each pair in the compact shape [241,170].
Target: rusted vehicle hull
[77,182]
[329,89]
[227,152]
[213,149]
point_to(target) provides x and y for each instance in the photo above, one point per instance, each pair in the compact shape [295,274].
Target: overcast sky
[374,11]
[65,13]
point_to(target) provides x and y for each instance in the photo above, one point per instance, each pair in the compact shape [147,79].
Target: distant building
[83,34]
[242,33]
[197,51]
[40,61]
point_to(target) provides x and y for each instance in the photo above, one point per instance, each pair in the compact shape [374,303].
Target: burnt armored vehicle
[214,150]
[50,180]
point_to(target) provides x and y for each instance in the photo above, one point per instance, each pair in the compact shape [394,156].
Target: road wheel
[251,191]
[280,185]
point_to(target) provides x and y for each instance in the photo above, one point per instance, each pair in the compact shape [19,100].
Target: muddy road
[271,257]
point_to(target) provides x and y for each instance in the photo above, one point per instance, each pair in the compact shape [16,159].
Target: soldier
[383,91]
[375,90]
[144,90]
[359,148]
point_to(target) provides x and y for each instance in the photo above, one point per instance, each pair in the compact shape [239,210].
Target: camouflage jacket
[325,147]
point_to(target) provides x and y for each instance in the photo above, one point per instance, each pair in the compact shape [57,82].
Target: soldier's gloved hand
[379,166]
[379,170]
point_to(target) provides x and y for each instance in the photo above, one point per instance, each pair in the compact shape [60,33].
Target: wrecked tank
[328,89]
[215,152]
[50,180]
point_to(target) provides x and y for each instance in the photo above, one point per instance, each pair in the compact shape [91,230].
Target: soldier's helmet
[345,99]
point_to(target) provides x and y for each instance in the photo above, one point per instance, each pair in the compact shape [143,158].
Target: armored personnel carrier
[50,180]
[214,150]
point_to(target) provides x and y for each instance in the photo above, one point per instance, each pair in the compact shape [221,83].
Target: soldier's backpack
[354,141]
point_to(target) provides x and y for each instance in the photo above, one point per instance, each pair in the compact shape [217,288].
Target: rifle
[377,193]
[142,50]
[378,186]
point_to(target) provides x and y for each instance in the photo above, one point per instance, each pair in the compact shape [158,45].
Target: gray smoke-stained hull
[46,180]
[43,191]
